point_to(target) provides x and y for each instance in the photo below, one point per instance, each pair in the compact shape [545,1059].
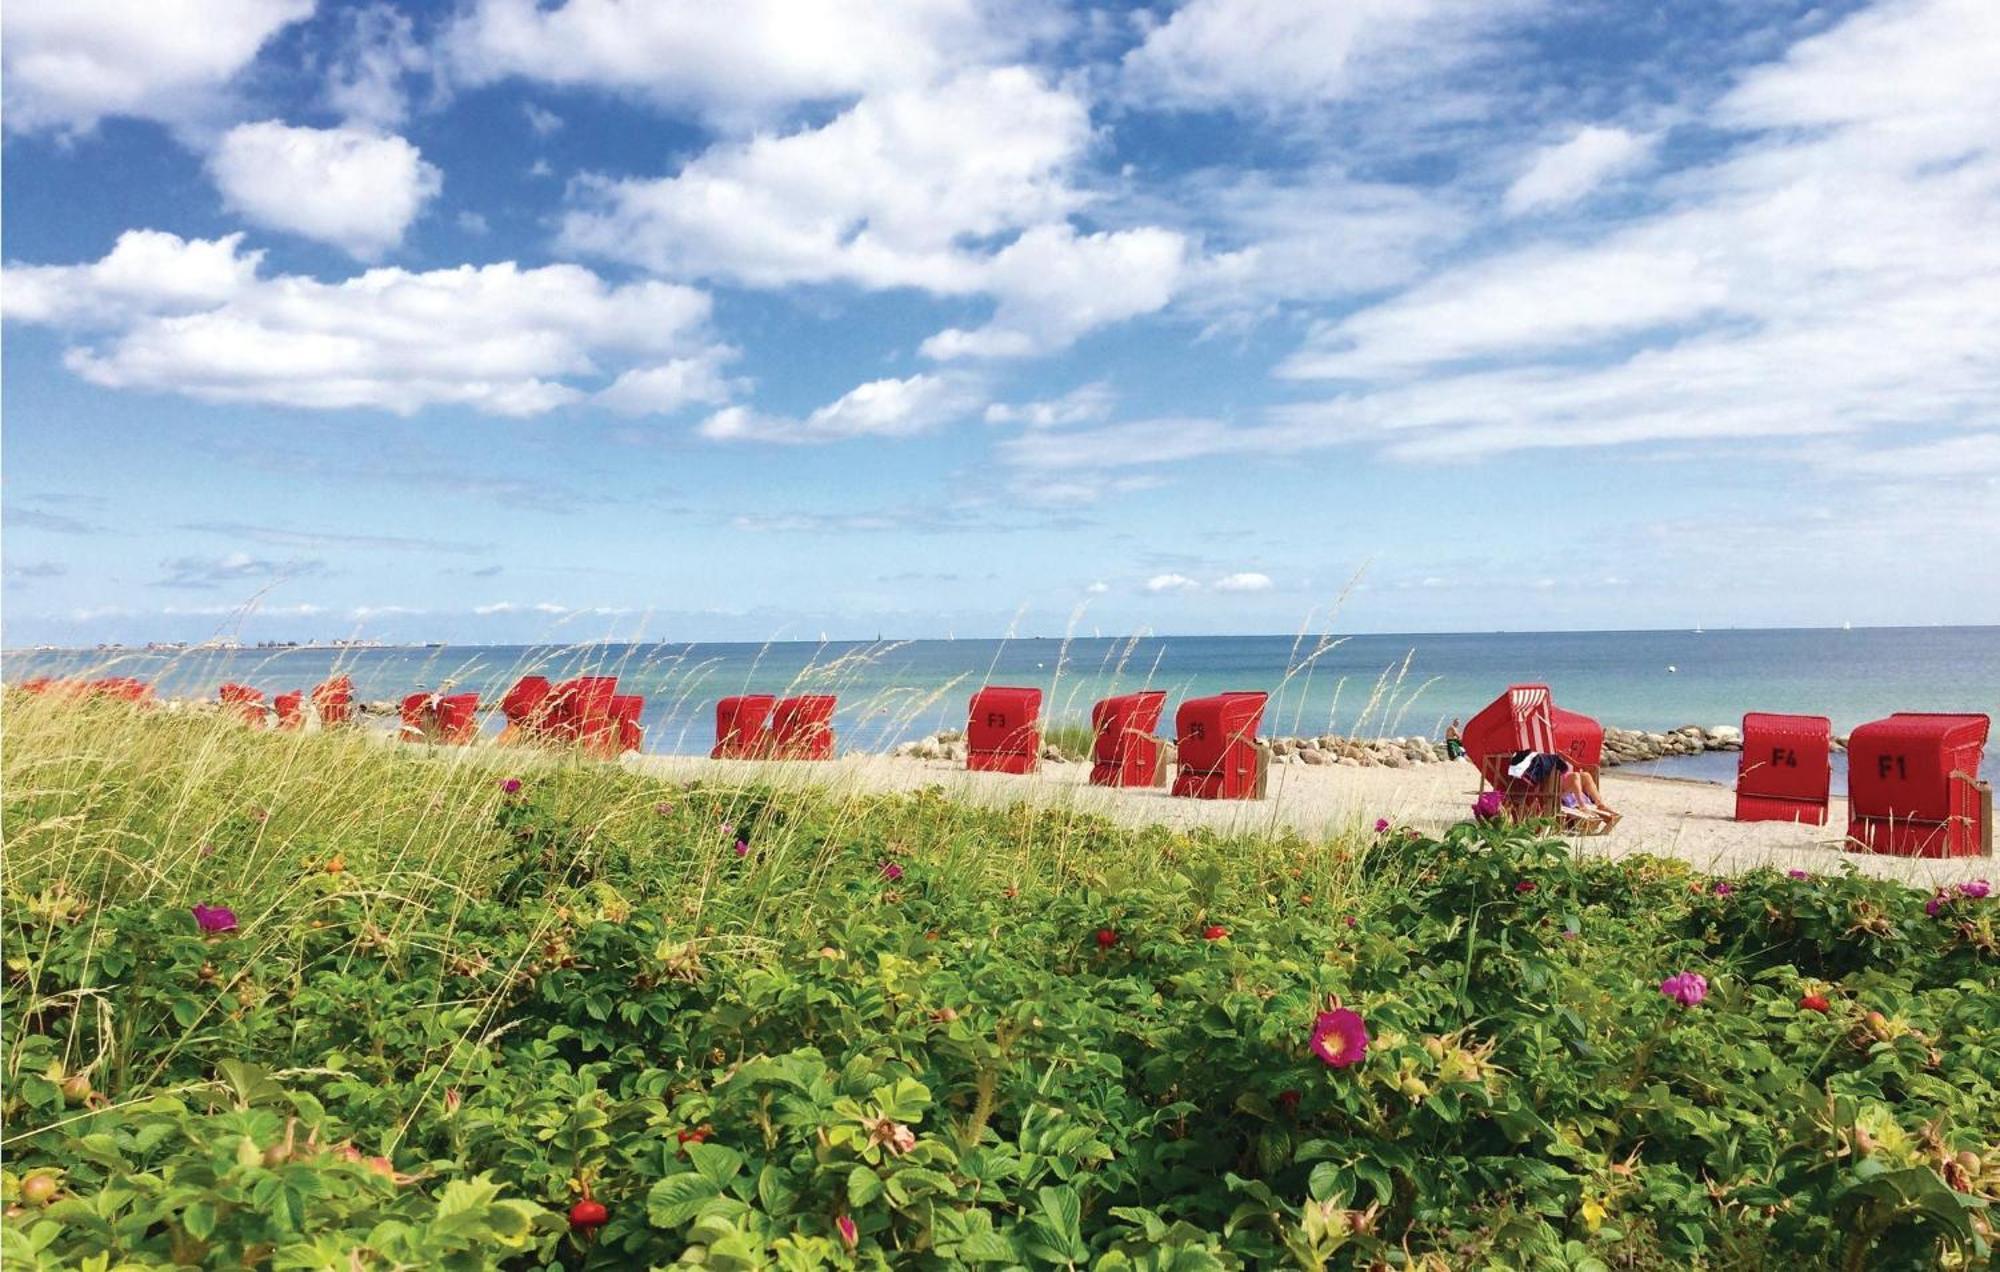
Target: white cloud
[881,196]
[958,188]
[880,408]
[146,272]
[1246,581]
[544,122]
[1084,404]
[68,63]
[351,187]
[497,338]
[378,51]
[1171,583]
[671,386]
[1099,588]
[1543,298]
[1318,234]
[521,607]
[1563,173]
[1055,285]
[739,61]
[1273,54]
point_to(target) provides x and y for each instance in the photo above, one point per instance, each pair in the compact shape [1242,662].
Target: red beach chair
[1913,787]
[419,714]
[1123,750]
[526,707]
[1003,731]
[334,700]
[122,688]
[1217,742]
[291,708]
[581,713]
[245,701]
[1785,771]
[802,727]
[455,719]
[625,709]
[1578,737]
[1522,719]
[741,727]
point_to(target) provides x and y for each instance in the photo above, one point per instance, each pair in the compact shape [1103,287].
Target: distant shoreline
[158,647]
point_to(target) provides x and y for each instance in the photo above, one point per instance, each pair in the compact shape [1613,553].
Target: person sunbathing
[1581,793]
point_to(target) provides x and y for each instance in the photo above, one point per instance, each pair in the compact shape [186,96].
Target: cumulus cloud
[499,339]
[957,188]
[880,196]
[1081,405]
[66,64]
[1246,581]
[1267,55]
[880,408]
[734,62]
[671,386]
[1563,173]
[1055,285]
[1171,583]
[146,272]
[378,54]
[351,187]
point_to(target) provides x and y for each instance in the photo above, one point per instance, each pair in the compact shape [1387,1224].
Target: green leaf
[677,1199]
[717,1163]
[863,1186]
[199,1220]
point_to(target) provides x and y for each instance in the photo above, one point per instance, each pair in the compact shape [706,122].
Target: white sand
[1691,820]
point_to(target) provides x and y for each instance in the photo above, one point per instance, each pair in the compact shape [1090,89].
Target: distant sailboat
[1697,629]
[1847,627]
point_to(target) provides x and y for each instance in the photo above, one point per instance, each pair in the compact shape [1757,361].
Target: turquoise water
[1363,685]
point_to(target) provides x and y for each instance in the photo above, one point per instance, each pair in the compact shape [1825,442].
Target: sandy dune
[1691,820]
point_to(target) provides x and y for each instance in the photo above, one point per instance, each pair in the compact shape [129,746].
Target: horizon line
[352,643]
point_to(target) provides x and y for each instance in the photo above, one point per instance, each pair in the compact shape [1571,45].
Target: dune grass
[500,1008]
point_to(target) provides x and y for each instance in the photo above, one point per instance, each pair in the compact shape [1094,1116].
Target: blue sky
[499,321]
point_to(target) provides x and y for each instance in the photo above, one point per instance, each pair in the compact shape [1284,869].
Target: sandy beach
[1690,820]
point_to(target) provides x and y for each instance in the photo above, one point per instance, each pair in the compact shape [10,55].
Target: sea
[1363,685]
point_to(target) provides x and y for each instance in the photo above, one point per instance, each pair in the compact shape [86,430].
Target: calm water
[1363,685]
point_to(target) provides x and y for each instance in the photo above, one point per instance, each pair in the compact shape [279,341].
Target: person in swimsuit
[1580,791]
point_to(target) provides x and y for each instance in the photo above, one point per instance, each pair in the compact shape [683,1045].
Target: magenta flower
[511,786]
[850,1236]
[891,871]
[1351,920]
[1381,824]
[1723,887]
[1974,888]
[1340,1037]
[215,919]
[1487,807]
[1685,988]
[728,828]
[742,847]
[1936,903]
[1799,874]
